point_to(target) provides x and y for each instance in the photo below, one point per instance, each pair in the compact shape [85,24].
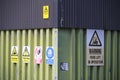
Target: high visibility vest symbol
[26,53]
[14,52]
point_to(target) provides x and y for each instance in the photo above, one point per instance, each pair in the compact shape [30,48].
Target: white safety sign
[38,55]
[95,47]
[49,55]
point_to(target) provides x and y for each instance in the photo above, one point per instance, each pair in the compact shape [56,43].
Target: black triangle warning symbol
[14,52]
[95,41]
[46,8]
[26,53]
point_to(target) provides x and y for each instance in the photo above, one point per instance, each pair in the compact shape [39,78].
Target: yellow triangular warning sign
[14,52]
[46,8]
[95,41]
[26,53]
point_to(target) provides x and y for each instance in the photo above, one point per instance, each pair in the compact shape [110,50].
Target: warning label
[14,54]
[95,47]
[95,56]
[45,12]
[95,41]
[26,54]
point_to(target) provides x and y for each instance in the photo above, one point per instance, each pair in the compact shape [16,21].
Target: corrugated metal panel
[102,14]
[69,46]
[72,50]
[27,71]
[26,14]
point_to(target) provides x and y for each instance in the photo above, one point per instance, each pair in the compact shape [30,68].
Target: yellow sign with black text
[45,12]
[26,54]
[14,54]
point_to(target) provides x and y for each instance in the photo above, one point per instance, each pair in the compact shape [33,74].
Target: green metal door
[72,50]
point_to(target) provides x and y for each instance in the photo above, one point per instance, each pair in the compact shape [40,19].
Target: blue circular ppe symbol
[50,52]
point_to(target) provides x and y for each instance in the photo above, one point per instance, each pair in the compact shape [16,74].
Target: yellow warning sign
[45,12]
[14,54]
[26,54]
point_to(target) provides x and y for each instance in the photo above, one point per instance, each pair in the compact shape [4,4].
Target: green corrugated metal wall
[27,71]
[72,49]
[69,46]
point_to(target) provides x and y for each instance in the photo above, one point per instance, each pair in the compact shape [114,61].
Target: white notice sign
[95,47]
